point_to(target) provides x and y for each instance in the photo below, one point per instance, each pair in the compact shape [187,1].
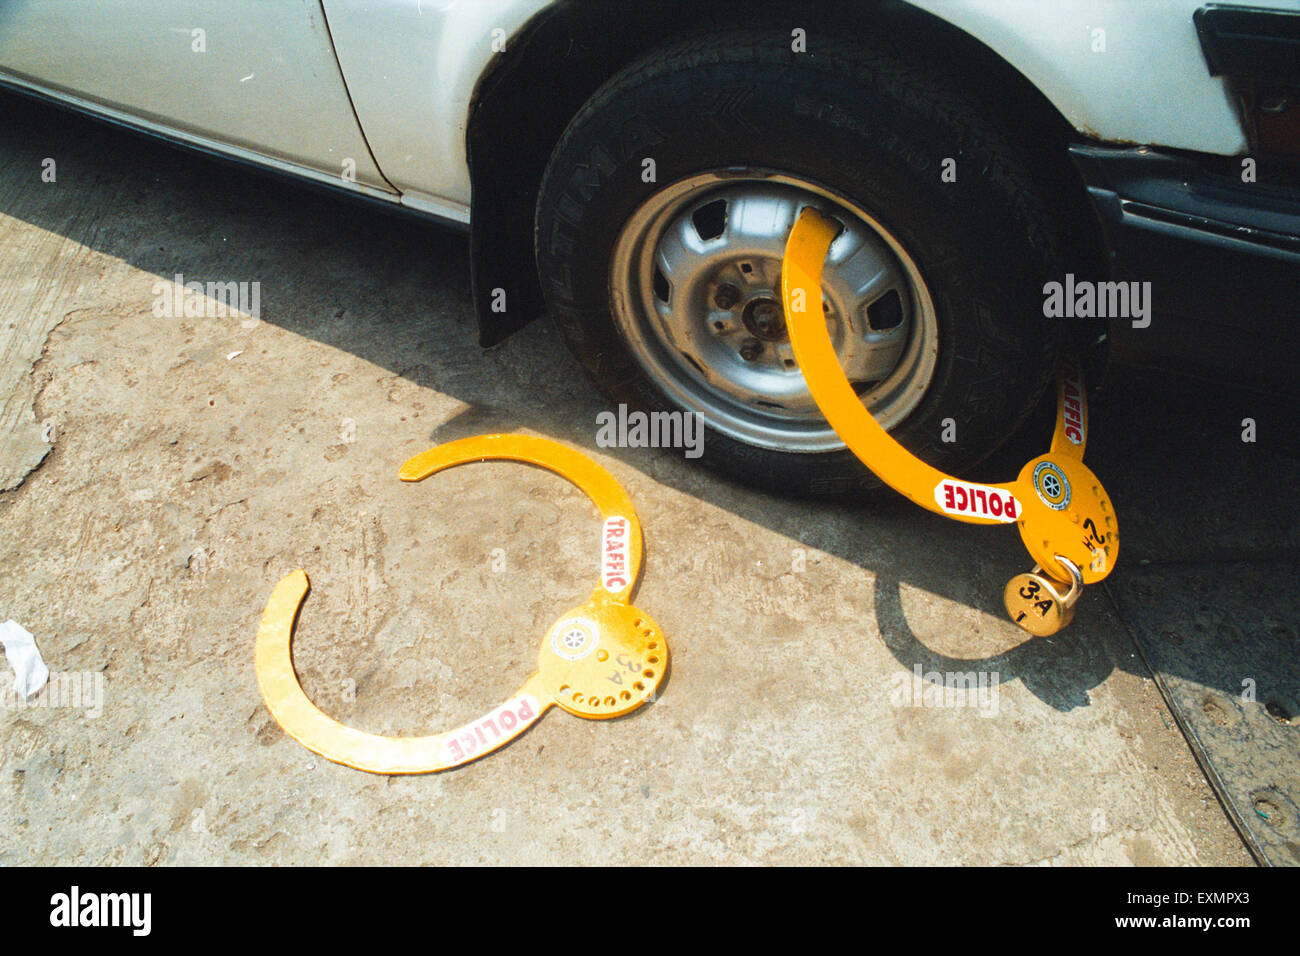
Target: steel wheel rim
[679,250]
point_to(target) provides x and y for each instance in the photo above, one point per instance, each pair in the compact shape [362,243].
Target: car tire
[854,128]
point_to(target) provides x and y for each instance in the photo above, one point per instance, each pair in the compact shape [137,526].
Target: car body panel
[1147,84]
[260,81]
[412,66]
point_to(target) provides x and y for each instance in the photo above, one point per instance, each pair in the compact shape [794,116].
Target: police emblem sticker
[1052,486]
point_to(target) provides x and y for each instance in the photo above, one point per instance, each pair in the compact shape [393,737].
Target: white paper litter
[30,672]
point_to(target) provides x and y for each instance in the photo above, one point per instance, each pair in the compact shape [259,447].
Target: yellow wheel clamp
[601,660]
[1065,518]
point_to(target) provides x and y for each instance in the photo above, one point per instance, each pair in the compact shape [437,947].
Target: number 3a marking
[633,667]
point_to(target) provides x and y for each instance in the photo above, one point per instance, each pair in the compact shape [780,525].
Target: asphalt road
[165,472]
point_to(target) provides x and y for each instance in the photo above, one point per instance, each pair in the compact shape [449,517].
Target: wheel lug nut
[726,296]
[751,349]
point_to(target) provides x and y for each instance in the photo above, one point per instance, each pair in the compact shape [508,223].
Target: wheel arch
[578,45]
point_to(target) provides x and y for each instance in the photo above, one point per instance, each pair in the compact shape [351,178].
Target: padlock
[1035,602]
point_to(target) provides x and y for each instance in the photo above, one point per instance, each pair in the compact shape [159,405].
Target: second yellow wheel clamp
[601,660]
[1065,518]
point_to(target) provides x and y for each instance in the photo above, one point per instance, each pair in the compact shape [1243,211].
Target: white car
[1013,177]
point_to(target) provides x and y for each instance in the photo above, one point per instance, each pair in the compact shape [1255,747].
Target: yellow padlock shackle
[1059,505]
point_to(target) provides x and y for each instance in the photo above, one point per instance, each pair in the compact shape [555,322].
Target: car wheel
[662,223]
